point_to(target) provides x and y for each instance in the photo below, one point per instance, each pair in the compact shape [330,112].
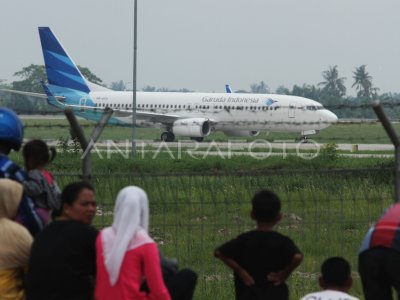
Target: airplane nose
[331,117]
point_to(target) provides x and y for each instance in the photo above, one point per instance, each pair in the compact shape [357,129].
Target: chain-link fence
[325,212]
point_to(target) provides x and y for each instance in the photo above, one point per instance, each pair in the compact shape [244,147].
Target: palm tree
[333,84]
[363,82]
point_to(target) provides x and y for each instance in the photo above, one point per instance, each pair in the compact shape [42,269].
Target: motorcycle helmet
[11,128]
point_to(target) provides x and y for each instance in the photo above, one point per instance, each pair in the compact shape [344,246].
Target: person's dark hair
[335,271]
[266,206]
[38,151]
[71,191]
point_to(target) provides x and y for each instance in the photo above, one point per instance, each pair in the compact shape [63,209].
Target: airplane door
[82,102]
[292,110]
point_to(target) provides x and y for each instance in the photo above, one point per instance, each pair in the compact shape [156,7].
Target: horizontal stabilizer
[30,94]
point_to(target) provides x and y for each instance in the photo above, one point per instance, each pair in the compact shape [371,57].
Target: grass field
[352,133]
[197,204]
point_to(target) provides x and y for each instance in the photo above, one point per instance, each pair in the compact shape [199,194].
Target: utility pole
[134,79]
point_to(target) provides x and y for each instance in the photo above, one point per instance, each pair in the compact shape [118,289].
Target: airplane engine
[242,133]
[193,127]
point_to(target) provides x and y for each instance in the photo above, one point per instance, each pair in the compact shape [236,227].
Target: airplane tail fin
[228,88]
[61,70]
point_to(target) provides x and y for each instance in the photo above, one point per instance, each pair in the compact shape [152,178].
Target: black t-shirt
[63,262]
[259,253]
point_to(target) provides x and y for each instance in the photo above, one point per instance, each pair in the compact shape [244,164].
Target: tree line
[331,91]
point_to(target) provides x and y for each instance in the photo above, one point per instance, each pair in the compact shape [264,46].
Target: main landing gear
[167,136]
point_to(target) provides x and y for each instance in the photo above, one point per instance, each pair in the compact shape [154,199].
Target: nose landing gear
[303,139]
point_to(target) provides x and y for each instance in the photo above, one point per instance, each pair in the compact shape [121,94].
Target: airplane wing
[31,94]
[143,115]
[167,119]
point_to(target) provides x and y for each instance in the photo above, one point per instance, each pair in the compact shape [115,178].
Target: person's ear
[349,282]
[65,209]
[279,217]
[252,215]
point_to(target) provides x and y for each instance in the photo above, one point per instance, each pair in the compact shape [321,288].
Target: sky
[202,45]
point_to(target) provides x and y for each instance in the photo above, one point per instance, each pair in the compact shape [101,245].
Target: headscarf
[128,231]
[10,198]
[15,245]
[15,240]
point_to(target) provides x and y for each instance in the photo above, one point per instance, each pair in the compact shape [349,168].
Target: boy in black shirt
[261,259]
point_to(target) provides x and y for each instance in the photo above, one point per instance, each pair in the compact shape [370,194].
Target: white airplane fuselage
[227,111]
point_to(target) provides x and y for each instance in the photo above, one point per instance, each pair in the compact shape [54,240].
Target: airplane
[194,115]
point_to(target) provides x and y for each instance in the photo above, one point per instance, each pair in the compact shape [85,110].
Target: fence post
[87,147]
[391,132]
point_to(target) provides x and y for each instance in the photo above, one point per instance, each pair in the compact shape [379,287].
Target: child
[335,281]
[40,184]
[261,259]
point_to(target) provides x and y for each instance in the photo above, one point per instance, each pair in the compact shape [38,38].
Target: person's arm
[32,184]
[280,277]
[242,273]
[28,217]
[153,275]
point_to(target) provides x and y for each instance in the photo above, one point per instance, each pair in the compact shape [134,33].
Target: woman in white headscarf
[126,255]
[15,242]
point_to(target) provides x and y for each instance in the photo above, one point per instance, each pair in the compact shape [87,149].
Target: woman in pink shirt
[126,255]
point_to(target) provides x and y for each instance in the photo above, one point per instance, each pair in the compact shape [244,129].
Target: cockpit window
[315,107]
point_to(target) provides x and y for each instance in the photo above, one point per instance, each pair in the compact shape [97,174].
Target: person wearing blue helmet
[11,137]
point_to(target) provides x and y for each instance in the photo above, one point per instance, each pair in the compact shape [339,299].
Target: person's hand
[277,277]
[246,277]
